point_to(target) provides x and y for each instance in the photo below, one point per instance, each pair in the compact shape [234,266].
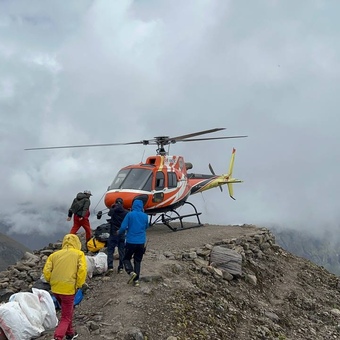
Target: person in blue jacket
[134,224]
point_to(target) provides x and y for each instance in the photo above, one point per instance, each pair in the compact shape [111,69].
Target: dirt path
[162,238]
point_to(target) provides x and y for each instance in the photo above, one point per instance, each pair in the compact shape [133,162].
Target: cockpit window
[139,179]
[119,179]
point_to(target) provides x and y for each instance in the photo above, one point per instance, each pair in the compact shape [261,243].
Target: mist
[116,72]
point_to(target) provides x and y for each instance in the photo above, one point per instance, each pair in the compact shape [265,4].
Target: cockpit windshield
[139,179]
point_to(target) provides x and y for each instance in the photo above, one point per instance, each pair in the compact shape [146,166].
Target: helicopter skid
[171,221]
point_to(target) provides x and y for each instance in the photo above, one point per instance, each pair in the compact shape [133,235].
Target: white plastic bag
[15,324]
[100,261]
[30,305]
[47,305]
[90,263]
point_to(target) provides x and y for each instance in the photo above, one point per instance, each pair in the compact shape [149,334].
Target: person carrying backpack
[117,213]
[135,224]
[80,209]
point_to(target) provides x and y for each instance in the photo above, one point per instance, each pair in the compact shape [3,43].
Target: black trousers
[113,242]
[135,251]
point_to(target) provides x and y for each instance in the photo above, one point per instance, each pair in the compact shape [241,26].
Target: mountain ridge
[322,250]
[11,251]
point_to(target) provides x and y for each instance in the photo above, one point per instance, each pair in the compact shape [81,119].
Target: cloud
[103,72]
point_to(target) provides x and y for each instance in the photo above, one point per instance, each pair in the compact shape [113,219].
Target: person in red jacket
[80,209]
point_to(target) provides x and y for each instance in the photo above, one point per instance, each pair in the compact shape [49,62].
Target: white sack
[15,324]
[90,265]
[30,305]
[100,261]
[47,305]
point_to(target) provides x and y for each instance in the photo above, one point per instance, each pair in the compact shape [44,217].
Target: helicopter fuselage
[161,182]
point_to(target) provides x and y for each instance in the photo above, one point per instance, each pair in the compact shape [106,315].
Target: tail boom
[200,183]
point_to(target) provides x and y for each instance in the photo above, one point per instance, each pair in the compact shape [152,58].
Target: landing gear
[170,217]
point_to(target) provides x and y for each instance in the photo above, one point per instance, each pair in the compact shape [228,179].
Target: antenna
[142,156]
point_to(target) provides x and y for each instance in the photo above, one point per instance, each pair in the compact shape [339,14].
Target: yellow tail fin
[230,180]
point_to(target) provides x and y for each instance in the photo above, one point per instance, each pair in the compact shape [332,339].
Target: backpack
[102,232]
[77,206]
[94,245]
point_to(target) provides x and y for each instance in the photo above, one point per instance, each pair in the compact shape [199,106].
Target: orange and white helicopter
[162,182]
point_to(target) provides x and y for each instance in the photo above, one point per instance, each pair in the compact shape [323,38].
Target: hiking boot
[136,283]
[110,271]
[84,287]
[132,277]
[120,270]
[73,336]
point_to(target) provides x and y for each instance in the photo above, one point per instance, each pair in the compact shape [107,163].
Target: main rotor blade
[211,138]
[82,146]
[195,134]
[156,141]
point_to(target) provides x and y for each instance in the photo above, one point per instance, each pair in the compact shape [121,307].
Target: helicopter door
[172,180]
[159,186]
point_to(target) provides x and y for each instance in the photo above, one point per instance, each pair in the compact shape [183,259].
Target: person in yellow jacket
[65,270]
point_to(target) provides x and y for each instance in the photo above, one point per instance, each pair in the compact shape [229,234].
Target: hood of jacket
[71,241]
[137,205]
[81,195]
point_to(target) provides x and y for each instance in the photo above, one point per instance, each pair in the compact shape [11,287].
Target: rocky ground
[181,296]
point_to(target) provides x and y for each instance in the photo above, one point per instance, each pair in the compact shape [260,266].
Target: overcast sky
[83,72]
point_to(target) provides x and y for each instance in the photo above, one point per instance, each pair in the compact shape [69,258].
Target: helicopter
[163,182]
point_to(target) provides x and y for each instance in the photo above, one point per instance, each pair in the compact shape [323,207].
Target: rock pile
[21,276]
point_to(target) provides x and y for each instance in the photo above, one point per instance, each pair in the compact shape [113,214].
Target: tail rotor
[213,172]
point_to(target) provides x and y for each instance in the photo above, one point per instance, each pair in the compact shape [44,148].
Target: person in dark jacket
[135,224]
[117,213]
[80,209]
